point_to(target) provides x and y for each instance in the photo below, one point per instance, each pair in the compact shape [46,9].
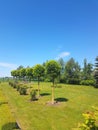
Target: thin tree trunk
[53,92]
[38,88]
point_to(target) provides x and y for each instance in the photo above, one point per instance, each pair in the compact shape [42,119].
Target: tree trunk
[38,88]
[53,92]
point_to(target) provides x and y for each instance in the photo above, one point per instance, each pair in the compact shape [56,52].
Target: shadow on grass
[95,87]
[11,126]
[2,103]
[35,99]
[45,94]
[61,99]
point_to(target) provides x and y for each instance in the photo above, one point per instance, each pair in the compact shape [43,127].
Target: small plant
[23,90]
[89,123]
[33,95]
[13,84]
[19,86]
[90,120]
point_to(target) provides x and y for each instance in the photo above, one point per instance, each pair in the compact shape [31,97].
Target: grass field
[38,115]
[7,120]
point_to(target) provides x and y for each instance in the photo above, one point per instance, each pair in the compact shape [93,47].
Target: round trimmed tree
[15,74]
[29,73]
[38,72]
[22,73]
[53,71]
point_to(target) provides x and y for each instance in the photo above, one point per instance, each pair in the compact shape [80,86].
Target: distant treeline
[5,79]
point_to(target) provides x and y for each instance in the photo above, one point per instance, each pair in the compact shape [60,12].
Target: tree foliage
[22,73]
[96,71]
[15,73]
[72,72]
[62,64]
[38,71]
[87,70]
[29,73]
[53,71]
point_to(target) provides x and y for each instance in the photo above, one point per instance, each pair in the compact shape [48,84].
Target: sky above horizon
[33,31]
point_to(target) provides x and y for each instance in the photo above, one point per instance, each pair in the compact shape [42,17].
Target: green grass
[38,115]
[7,120]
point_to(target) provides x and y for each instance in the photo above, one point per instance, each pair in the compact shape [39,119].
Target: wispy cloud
[8,65]
[63,54]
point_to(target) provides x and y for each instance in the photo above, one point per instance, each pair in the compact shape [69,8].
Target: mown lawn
[38,115]
[7,120]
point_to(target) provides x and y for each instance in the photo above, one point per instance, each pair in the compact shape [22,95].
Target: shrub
[73,81]
[19,85]
[90,120]
[62,79]
[22,90]
[88,82]
[13,84]
[89,123]
[33,95]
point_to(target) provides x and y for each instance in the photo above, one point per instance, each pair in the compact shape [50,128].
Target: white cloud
[63,54]
[8,65]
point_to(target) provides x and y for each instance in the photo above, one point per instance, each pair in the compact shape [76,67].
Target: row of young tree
[51,69]
[69,72]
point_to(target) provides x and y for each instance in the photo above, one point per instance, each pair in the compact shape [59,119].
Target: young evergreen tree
[96,72]
[87,71]
[62,64]
[72,72]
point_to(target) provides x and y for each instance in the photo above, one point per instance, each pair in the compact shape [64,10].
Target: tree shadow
[10,126]
[1,103]
[44,94]
[35,99]
[60,99]
[96,87]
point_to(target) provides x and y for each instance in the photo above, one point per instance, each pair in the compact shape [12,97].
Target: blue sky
[33,31]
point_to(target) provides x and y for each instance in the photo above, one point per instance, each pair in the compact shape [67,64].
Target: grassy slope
[7,121]
[40,116]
